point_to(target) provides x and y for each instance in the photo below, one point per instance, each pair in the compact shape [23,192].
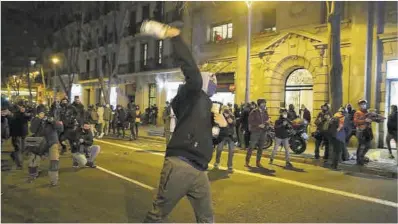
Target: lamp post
[55,61]
[249,23]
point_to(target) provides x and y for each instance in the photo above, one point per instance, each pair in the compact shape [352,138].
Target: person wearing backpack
[322,125]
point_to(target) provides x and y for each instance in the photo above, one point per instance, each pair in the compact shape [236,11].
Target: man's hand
[230,120]
[262,126]
[220,120]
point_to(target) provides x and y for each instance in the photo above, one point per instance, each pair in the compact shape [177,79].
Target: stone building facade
[288,61]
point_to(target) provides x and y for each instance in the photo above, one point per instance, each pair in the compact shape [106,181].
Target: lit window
[144,54]
[221,32]
[392,69]
[160,51]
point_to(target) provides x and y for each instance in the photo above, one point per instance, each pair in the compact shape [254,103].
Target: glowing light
[32,62]
[55,60]
[249,3]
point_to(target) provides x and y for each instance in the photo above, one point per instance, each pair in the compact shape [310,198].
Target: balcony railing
[151,64]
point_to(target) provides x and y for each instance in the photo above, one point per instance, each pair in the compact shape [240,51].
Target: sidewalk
[379,163]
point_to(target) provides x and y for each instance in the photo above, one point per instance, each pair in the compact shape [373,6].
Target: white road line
[126,178]
[286,181]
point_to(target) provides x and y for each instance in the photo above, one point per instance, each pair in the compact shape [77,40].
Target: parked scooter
[298,136]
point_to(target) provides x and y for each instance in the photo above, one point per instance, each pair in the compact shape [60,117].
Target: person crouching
[282,127]
[83,150]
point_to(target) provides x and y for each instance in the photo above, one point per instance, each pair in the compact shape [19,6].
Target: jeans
[363,147]
[106,127]
[231,146]
[318,143]
[285,143]
[80,158]
[389,137]
[18,142]
[179,179]
[246,137]
[256,139]
[132,129]
[338,148]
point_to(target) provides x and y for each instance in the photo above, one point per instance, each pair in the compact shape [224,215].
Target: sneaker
[75,165]
[155,29]
[101,135]
[91,165]
[391,156]
[289,165]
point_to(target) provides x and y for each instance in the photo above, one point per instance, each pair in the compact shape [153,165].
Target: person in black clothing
[18,122]
[226,137]
[68,117]
[237,114]
[80,113]
[121,117]
[245,125]
[83,150]
[392,128]
[291,114]
[282,135]
[352,129]
[190,148]
[131,120]
[321,133]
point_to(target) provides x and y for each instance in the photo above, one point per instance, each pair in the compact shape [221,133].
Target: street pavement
[121,189]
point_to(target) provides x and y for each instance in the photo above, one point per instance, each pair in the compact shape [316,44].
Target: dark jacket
[192,138]
[121,116]
[228,131]
[282,130]
[86,135]
[392,123]
[320,119]
[131,115]
[256,118]
[291,115]
[48,130]
[245,119]
[79,110]
[18,123]
[306,115]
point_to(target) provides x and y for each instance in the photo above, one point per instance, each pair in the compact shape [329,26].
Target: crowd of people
[248,124]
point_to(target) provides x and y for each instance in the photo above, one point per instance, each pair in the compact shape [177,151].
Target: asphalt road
[305,194]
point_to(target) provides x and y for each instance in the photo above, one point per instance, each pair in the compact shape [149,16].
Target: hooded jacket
[192,138]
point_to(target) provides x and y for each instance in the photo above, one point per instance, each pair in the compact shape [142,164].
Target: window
[88,65]
[159,54]
[144,54]
[96,65]
[392,69]
[221,32]
[145,12]
[103,63]
[113,60]
[152,94]
[269,20]
[105,33]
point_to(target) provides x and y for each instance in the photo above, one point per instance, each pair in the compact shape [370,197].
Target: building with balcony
[288,61]
[108,40]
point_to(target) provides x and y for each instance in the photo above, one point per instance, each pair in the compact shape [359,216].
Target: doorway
[299,89]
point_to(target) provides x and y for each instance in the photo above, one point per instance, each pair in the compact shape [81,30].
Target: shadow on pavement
[291,168]
[151,150]
[217,174]
[263,170]
[364,175]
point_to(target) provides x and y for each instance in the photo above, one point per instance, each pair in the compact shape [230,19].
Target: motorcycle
[269,137]
[298,137]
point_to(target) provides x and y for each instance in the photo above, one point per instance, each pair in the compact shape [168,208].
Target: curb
[311,161]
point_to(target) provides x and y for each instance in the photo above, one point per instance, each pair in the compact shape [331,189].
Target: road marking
[286,181]
[126,178]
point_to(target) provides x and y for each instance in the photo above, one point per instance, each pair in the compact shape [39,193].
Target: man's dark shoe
[289,165]
[258,164]
[91,165]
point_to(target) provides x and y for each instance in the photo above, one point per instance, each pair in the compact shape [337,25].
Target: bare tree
[335,65]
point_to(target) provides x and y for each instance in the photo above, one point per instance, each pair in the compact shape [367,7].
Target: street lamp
[249,23]
[32,62]
[55,61]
